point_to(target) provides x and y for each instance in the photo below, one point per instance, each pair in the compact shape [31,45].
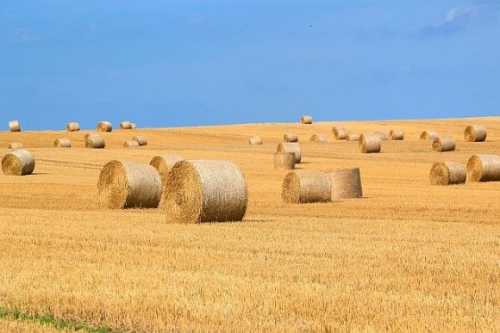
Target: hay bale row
[483,168]
[255,140]
[284,160]
[346,184]
[19,162]
[318,138]
[396,134]
[72,126]
[62,143]
[16,145]
[290,147]
[306,120]
[442,144]
[340,133]
[370,144]
[164,163]
[14,126]
[290,137]
[104,126]
[447,173]
[475,133]
[94,140]
[306,187]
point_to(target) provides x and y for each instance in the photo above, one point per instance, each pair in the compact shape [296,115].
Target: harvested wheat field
[408,256]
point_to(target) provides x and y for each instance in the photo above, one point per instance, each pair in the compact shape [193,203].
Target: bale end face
[18,162]
[306,187]
[369,144]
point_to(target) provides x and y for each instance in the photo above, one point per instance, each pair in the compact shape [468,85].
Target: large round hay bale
[19,162]
[14,126]
[16,145]
[306,187]
[290,147]
[318,138]
[290,137]
[255,140]
[164,164]
[340,133]
[353,137]
[127,185]
[130,144]
[396,134]
[72,126]
[104,126]
[483,168]
[475,133]
[447,173]
[62,143]
[428,135]
[370,143]
[306,120]
[442,144]
[126,124]
[205,191]
[284,160]
[142,141]
[346,184]
[94,140]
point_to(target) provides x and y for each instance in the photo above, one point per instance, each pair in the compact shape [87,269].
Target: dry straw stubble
[442,144]
[306,187]
[14,126]
[290,147]
[19,162]
[483,168]
[370,143]
[475,133]
[72,126]
[346,184]
[62,143]
[447,173]
[284,160]
[94,140]
[164,163]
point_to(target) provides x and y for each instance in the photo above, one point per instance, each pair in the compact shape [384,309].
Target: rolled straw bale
[127,184]
[483,168]
[370,143]
[290,147]
[381,135]
[306,120]
[130,144]
[16,145]
[306,187]
[18,162]
[475,133]
[443,144]
[447,173]
[428,135]
[164,164]
[340,133]
[346,184]
[62,143]
[142,141]
[318,138]
[126,125]
[72,126]
[396,135]
[290,137]
[205,191]
[353,137]
[284,160]
[104,126]
[133,126]
[14,126]
[255,140]
[94,140]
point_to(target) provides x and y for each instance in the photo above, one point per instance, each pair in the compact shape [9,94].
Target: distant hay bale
[130,144]
[255,140]
[16,145]
[346,184]
[126,124]
[475,133]
[353,137]
[94,140]
[142,141]
[428,135]
[318,138]
[381,135]
[164,164]
[129,185]
[72,126]
[306,120]
[133,126]
[14,126]
[443,144]
[396,134]
[19,162]
[369,143]
[284,160]
[290,137]
[104,126]
[205,191]
[290,147]
[483,168]
[340,133]
[447,173]
[62,143]
[306,187]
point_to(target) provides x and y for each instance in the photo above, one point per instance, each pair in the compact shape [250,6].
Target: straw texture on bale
[290,147]
[353,137]
[72,126]
[104,126]
[318,138]
[130,144]
[164,164]
[447,173]
[428,135]
[340,133]
[19,162]
[443,144]
[370,143]
[475,133]
[126,125]
[346,184]
[290,137]
[129,185]
[205,191]
[94,140]
[14,126]
[306,120]
[284,160]
[142,141]
[62,143]
[306,187]
[396,135]
[16,145]
[483,168]
[255,140]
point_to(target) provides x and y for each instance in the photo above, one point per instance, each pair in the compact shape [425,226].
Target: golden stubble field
[407,257]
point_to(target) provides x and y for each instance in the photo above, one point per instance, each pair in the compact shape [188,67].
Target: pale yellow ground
[27,327]
[408,256]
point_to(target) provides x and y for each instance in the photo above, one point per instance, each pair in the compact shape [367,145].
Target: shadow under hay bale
[346,184]
[164,164]
[72,126]
[18,163]
[369,144]
[339,133]
[307,120]
[62,143]
[290,147]
[306,187]
[94,140]
[255,140]
[14,126]
[443,144]
[475,133]
[104,126]
[447,173]
[483,168]
[284,160]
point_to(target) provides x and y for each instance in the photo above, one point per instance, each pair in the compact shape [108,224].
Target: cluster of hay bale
[19,162]
[104,126]
[72,126]
[284,160]
[62,143]
[306,120]
[94,140]
[14,126]
[369,143]
[255,140]
[479,168]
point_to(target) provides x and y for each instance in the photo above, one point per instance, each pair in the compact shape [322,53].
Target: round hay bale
[306,120]
[447,173]
[133,126]
[205,191]
[14,126]
[142,141]
[428,135]
[290,137]
[284,160]
[346,184]
[306,187]
[72,126]
[353,137]
[124,184]
[340,133]
[126,125]
[62,143]
[318,138]
[130,144]
[396,135]
[255,140]
[443,144]
[16,145]
[290,147]
[370,143]
[475,133]
[104,126]
[164,164]
[483,168]
[19,162]
[381,135]
[94,140]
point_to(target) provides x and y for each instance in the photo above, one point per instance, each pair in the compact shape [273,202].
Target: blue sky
[185,62]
